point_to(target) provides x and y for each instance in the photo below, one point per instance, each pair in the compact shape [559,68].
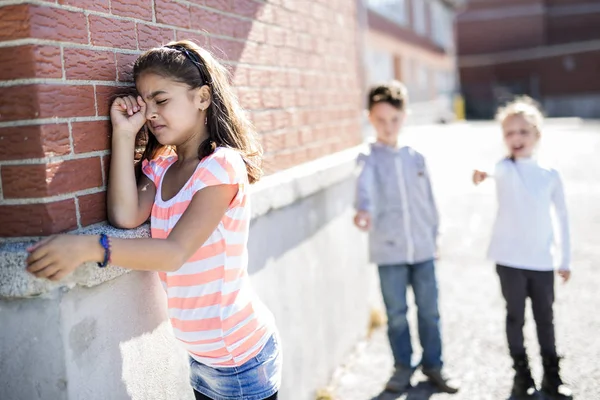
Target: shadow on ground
[421,391]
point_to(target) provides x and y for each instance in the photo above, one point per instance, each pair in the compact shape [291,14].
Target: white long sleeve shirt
[523,235]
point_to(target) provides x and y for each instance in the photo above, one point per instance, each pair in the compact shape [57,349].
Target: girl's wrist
[97,252]
[123,137]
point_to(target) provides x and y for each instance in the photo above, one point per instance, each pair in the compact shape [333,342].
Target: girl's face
[173,110]
[520,136]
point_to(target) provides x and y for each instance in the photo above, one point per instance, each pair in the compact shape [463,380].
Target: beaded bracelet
[105,243]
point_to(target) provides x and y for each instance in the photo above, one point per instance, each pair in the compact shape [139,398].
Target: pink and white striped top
[212,306]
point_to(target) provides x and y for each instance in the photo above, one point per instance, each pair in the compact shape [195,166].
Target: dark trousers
[518,284]
[200,396]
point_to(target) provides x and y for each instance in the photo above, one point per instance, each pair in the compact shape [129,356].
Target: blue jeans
[395,279]
[257,379]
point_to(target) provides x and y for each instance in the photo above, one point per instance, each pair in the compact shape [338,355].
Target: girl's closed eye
[161,101]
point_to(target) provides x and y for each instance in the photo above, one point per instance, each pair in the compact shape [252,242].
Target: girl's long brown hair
[227,125]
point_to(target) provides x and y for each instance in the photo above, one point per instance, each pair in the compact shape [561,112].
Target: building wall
[418,50]
[547,49]
[295,66]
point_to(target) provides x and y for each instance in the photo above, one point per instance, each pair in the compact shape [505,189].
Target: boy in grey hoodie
[395,205]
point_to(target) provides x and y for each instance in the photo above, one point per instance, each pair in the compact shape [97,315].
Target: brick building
[295,69]
[104,333]
[548,49]
[413,41]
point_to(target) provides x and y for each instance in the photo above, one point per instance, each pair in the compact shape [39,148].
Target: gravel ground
[471,305]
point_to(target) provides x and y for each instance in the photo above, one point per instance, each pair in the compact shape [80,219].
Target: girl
[522,241]
[201,156]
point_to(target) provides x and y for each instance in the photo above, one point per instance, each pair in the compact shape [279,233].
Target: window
[442,25]
[419,16]
[380,66]
[394,10]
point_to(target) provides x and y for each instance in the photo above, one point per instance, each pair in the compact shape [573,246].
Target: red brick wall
[490,36]
[294,63]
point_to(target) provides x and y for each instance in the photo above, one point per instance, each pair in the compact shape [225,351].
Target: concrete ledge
[286,187]
[273,192]
[15,282]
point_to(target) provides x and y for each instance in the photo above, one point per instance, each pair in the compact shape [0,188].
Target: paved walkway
[471,305]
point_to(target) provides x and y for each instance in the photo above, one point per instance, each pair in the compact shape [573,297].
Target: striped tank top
[212,306]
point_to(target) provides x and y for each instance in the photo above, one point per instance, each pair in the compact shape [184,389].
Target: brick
[263,13]
[200,38]
[170,12]
[212,22]
[58,24]
[283,18]
[91,136]
[92,5]
[37,219]
[249,98]
[24,21]
[246,8]
[105,95]
[153,36]
[281,119]
[276,36]
[271,98]
[262,121]
[221,5]
[125,66]
[30,102]
[34,141]
[273,142]
[90,64]
[111,32]
[228,50]
[258,77]
[256,32]
[14,22]
[30,61]
[138,9]
[41,180]
[105,168]
[240,75]
[92,208]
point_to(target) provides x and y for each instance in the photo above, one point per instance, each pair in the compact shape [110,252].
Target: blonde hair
[524,106]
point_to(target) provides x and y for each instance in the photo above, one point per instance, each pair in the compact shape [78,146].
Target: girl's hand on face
[128,115]
[479,176]
[564,274]
[57,256]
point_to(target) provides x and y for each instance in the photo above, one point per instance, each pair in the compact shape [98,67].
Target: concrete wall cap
[275,191]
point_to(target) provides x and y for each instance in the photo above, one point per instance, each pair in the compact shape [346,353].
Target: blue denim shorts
[257,379]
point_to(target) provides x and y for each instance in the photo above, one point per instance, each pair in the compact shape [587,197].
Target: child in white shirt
[522,244]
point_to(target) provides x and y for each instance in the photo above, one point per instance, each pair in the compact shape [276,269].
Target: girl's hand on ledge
[57,256]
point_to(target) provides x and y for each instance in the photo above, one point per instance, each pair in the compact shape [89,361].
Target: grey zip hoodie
[394,187]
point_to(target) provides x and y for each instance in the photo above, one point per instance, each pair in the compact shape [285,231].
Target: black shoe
[523,384]
[552,385]
[441,381]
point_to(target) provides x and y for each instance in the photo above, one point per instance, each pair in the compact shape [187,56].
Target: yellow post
[459,107]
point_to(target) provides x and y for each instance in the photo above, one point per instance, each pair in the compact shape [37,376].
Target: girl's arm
[58,256]
[129,204]
[560,206]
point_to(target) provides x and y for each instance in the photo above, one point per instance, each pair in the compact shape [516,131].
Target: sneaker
[523,384]
[441,381]
[552,385]
[400,380]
